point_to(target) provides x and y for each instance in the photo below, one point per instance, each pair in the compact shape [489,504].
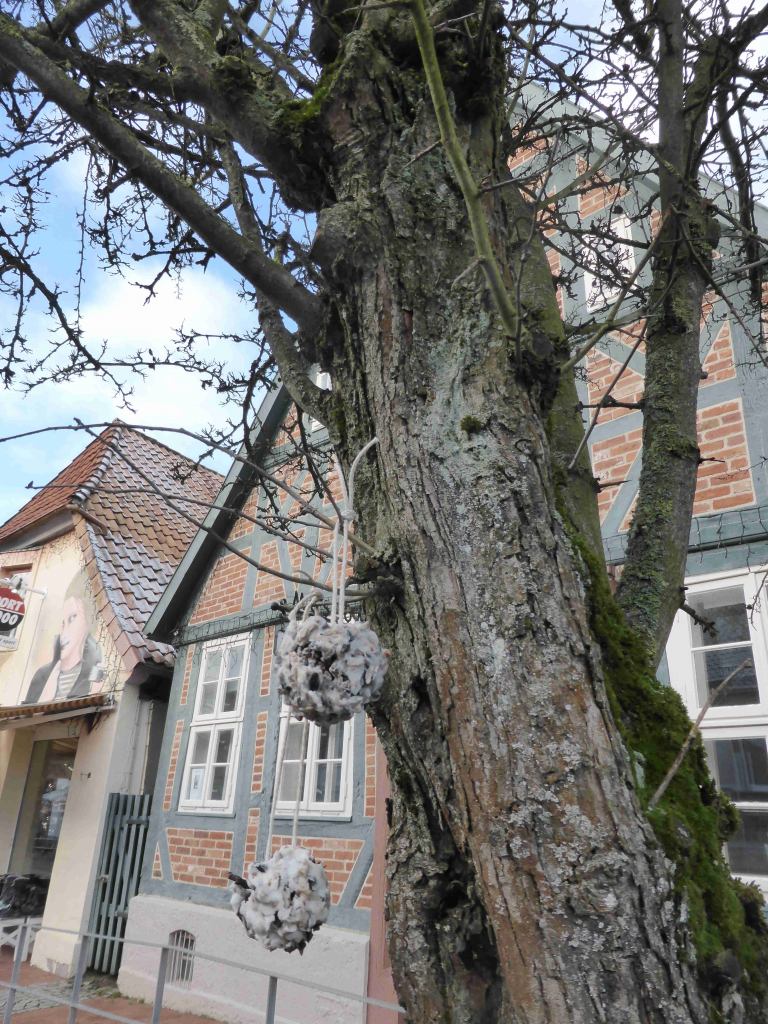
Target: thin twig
[606,326]
[483,27]
[692,734]
[475,263]
[601,404]
[424,153]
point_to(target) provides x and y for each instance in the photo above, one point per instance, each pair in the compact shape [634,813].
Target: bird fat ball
[283,901]
[328,672]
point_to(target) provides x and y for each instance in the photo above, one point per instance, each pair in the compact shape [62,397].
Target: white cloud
[167,397]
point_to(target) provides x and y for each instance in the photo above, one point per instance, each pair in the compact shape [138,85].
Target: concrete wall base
[336,957]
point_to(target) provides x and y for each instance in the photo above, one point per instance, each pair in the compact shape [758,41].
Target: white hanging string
[338,588]
[348,515]
[300,786]
[278,782]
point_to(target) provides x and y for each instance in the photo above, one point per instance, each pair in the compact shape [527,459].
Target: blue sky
[114,310]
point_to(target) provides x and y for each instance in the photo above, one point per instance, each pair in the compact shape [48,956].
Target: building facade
[82,692]
[216,782]
[225,721]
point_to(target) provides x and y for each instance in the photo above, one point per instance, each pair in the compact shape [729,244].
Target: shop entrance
[42,807]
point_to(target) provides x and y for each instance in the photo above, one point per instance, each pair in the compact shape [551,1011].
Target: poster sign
[11,610]
[67,658]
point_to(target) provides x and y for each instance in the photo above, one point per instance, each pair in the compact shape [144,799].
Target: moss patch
[471,424]
[692,820]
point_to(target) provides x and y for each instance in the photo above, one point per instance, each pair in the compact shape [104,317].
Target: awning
[35,714]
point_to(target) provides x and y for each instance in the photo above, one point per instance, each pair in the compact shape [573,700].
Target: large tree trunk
[525,884]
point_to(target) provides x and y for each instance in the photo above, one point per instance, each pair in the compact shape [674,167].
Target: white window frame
[621,226]
[323,381]
[10,641]
[748,721]
[680,658]
[743,732]
[216,722]
[342,811]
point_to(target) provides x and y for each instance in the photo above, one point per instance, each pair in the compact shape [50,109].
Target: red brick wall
[612,459]
[266,661]
[363,901]
[200,857]
[251,508]
[251,838]
[223,593]
[602,370]
[187,674]
[338,857]
[172,764]
[370,768]
[268,588]
[722,435]
[258,753]
[719,364]
[157,867]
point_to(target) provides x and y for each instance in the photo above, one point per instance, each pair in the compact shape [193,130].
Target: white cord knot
[348,515]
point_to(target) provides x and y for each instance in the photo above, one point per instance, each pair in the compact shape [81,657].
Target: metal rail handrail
[85,937]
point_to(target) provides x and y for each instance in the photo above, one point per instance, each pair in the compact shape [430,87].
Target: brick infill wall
[338,857]
[172,764]
[200,857]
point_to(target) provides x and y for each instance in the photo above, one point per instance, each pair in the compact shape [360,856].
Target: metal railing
[85,937]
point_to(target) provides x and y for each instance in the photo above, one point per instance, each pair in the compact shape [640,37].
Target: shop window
[42,808]
[327,790]
[210,772]
[606,262]
[181,964]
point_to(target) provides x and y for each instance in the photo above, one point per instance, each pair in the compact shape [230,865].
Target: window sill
[206,812]
[314,816]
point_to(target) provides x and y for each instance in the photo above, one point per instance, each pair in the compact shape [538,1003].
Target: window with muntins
[210,772]
[735,728]
[327,790]
[739,766]
[607,257]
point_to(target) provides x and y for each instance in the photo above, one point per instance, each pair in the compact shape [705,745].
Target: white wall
[336,957]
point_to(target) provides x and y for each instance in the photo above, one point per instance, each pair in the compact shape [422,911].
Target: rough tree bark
[526,884]
[524,881]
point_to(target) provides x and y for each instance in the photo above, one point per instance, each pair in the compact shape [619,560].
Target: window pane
[337,741]
[293,741]
[235,662]
[196,784]
[212,666]
[331,743]
[741,767]
[218,783]
[727,610]
[229,701]
[224,747]
[328,788]
[290,782]
[200,751]
[712,667]
[748,850]
[208,699]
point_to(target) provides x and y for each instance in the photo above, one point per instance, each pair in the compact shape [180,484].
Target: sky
[114,309]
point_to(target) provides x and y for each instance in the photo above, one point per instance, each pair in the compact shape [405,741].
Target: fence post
[271,1001]
[78,980]
[159,988]
[21,941]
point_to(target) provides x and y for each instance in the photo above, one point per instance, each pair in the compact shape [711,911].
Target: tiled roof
[144,538]
[61,489]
